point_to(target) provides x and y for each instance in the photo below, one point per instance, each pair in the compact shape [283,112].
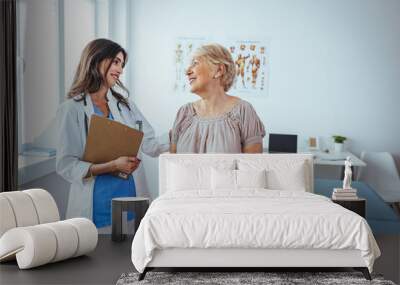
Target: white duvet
[252,218]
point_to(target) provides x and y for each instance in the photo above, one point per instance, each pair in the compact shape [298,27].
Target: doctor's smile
[115,70]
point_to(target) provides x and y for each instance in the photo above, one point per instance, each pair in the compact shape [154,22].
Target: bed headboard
[237,159]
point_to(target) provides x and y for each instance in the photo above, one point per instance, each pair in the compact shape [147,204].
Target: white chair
[382,175]
[31,231]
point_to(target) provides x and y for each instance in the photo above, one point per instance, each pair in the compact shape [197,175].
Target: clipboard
[108,140]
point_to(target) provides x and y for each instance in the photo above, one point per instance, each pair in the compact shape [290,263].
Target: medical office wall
[49,43]
[334,65]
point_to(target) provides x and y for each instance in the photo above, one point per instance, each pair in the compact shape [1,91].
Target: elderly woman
[218,122]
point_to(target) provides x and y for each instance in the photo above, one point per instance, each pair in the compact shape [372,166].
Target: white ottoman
[31,232]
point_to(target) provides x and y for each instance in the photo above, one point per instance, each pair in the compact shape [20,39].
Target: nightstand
[358,206]
[138,205]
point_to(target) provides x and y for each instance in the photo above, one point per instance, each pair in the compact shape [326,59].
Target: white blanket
[251,218]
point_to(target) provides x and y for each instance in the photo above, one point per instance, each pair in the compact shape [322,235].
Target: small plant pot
[338,147]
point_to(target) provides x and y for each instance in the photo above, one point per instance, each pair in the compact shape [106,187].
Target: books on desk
[344,194]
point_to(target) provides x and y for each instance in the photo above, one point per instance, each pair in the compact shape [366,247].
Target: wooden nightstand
[358,206]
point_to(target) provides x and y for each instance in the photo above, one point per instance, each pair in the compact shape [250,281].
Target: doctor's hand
[126,164]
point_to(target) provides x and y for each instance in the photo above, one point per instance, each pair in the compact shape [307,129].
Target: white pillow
[191,176]
[251,178]
[223,179]
[281,174]
[237,179]
[181,177]
[293,179]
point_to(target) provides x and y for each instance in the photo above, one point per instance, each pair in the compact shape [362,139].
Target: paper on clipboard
[108,140]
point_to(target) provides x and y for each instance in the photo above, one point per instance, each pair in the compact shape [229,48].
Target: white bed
[221,217]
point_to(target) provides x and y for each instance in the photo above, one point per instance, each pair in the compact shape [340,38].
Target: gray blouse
[227,133]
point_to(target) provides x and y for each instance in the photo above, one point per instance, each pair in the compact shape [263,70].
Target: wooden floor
[102,266]
[110,259]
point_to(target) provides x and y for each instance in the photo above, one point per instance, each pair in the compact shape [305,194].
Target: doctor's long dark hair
[88,78]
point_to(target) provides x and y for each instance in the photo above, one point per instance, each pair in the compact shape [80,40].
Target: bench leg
[364,271]
[143,274]
[116,221]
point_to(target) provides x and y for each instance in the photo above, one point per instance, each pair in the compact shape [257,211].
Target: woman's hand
[126,164]
[253,148]
[172,148]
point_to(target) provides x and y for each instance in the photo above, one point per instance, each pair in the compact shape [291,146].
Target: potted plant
[339,140]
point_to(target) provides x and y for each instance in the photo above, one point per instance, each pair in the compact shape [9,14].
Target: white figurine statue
[347,174]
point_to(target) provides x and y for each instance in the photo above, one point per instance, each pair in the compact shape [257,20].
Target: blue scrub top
[106,187]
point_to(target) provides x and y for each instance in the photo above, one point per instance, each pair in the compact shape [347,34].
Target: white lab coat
[71,144]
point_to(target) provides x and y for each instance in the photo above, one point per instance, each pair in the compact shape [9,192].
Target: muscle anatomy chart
[251,58]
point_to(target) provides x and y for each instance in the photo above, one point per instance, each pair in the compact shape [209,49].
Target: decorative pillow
[184,175]
[181,177]
[251,178]
[291,179]
[281,174]
[223,179]
[237,179]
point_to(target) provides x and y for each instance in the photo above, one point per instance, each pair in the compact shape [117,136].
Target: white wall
[38,81]
[39,61]
[335,66]
[56,186]
[79,29]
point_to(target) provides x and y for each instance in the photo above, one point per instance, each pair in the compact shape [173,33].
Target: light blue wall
[335,65]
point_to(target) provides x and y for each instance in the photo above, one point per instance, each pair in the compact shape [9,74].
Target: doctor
[92,92]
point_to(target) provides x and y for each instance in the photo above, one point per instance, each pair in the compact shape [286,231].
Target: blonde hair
[217,54]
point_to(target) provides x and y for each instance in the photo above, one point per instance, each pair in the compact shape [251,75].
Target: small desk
[34,167]
[337,159]
[334,159]
[331,158]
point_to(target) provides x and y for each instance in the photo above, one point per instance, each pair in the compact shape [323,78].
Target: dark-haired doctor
[92,92]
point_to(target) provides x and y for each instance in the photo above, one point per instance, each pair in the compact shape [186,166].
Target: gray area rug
[225,278]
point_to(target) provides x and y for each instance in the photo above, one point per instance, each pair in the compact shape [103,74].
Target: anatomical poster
[251,59]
